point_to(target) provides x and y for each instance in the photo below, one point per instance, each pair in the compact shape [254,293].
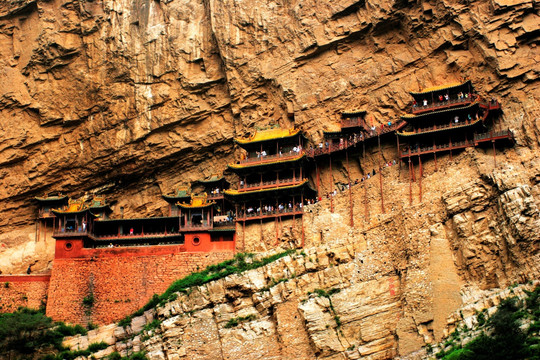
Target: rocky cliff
[133,98]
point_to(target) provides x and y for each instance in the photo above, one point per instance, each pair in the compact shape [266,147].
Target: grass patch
[135,356]
[237,320]
[240,263]
[94,347]
[152,325]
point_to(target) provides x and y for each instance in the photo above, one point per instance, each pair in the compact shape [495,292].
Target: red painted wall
[23,290]
[123,279]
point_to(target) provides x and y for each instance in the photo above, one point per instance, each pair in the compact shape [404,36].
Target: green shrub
[235,321]
[152,325]
[240,263]
[67,330]
[89,300]
[97,346]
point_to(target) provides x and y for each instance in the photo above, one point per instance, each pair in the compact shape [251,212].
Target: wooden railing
[270,158]
[270,184]
[348,142]
[489,136]
[254,215]
[439,105]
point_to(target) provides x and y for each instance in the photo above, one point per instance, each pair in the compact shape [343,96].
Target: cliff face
[133,98]
[121,97]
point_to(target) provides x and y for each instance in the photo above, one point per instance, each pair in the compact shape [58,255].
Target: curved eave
[267,190]
[428,114]
[51,198]
[440,88]
[266,163]
[249,142]
[189,206]
[407,134]
[61,212]
[174,198]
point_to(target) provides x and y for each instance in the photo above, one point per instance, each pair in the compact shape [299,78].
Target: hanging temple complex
[277,177]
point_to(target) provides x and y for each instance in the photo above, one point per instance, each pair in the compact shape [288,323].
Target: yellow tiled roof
[269,134]
[197,201]
[440,87]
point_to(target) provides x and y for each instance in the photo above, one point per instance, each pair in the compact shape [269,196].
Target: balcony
[269,184]
[440,105]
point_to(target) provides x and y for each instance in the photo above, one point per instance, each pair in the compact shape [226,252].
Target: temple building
[354,130]
[448,118]
[214,187]
[46,217]
[181,194]
[272,180]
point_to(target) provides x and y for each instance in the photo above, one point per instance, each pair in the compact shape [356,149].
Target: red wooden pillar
[420,177]
[317,178]
[435,154]
[494,153]
[351,210]
[410,182]
[366,205]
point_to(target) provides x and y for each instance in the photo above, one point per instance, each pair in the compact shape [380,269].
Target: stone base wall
[104,289]
[23,290]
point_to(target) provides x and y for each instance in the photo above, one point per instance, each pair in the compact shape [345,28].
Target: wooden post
[435,154]
[350,188]
[420,176]
[317,178]
[366,201]
[244,235]
[410,182]
[494,153]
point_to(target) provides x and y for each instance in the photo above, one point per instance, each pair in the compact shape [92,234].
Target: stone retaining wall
[103,290]
[23,290]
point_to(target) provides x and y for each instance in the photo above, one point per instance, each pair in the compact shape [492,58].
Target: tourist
[441,98]
[84,226]
[414,104]
[320,145]
[456,119]
[130,232]
[425,102]
[446,97]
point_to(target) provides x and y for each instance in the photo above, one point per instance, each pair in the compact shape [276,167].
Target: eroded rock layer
[133,98]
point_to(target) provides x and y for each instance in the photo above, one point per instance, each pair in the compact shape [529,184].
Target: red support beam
[410,182]
[351,211]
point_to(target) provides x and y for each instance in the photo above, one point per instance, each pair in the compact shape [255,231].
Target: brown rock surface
[133,98]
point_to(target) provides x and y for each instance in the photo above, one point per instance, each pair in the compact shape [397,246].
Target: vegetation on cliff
[512,332]
[28,331]
[240,263]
